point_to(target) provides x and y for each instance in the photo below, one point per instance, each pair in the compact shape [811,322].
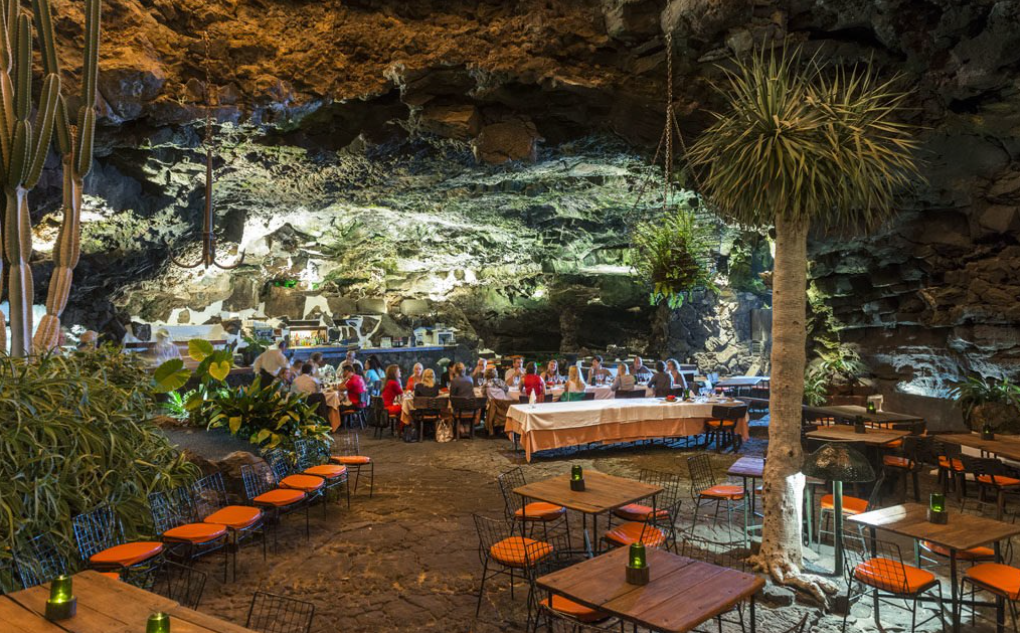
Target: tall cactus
[23,150]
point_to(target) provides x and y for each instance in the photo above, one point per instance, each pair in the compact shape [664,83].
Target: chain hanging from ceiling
[208,257]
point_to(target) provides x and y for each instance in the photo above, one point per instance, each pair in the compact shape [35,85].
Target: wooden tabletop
[851,411]
[602,492]
[681,594]
[1007,446]
[845,433]
[747,467]
[963,531]
[104,606]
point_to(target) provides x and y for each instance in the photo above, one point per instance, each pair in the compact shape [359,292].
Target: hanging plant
[673,253]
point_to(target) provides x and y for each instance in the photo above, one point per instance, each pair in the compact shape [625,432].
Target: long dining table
[551,425]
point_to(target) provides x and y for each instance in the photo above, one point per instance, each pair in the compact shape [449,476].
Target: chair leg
[481,590]
[371,479]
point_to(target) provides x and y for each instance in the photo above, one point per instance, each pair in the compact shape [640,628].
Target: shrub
[673,253]
[77,432]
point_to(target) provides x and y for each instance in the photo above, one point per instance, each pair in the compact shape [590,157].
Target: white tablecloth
[602,392]
[557,424]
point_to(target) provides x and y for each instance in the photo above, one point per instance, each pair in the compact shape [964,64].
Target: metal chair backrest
[9,582]
[97,530]
[170,509]
[671,496]
[209,494]
[731,555]
[466,405]
[307,454]
[875,498]
[39,561]
[557,623]
[346,444]
[984,467]
[948,449]
[508,482]
[425,407]
[700,469]
[270,613]
[729,414]
[881,560]
[258,479]
[631,393]
[496,539]
[181,583]
[279,463]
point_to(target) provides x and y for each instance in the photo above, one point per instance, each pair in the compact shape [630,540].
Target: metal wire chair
[100,531]
[9,581]
[991,476]
[313,458]
[209,501]
[533,513]
[661,518]
[704,489]
[271,613]
[723,425]
[556,622]
[39,561]
[347,452]
[261,489]
[181,583]
[174,519]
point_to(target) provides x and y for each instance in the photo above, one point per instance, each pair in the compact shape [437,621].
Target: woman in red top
[392,389]
[533,383]
[355,386]
[415,378]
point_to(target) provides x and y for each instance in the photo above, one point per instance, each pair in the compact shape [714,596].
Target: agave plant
[76,434]
[673,254]
[799,145]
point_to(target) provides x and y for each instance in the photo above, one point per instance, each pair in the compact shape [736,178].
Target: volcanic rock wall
[328,96]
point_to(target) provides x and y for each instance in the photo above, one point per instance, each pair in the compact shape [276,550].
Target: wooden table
[845,433]
[682,593]
[602,493]
[1007,446]
[104,606]
[963,531]
[748,469]
[851,411]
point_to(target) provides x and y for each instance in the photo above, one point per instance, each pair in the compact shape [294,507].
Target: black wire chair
[704,489]
[654,526]
[9,581]
[181,583]
[99,535]
[270,613]
[534,513]
[347,452]
[261,489]
[552,621]
[721,554]
[313,459]
[187,538]
[289,475]
[209,500]
[39,561]
[722,426]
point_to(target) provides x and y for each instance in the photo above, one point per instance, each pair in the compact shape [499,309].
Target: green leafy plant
[253,346]
[994,401]
[816,387]
[74,435]
[211,374]
[839,367]
[266,415]
[673,254]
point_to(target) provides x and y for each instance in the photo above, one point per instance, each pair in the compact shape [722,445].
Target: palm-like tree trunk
[781,548]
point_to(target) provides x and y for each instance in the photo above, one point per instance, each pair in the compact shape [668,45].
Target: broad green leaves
[199,349]
[171,376]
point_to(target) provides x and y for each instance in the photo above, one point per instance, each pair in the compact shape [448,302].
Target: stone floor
[407,559]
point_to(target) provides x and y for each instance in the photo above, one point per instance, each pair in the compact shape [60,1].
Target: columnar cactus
[24,147]
[75,145]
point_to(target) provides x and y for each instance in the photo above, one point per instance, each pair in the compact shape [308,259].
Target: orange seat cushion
[195,533]
[890,575]
[1004,579]
[715,424]
[307,483]
[519,551]
[723,491]
[972,554]
[235,517]
[112,575]
[351,460]
[851,505]
[638,512]
[998,480]
[957,463]
[327,471]
[893,444]
[576,611]
[127,554]
[279,497]
[629,533]
[895,461]
[540,511]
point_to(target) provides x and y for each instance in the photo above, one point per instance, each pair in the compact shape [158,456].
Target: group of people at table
[360,380]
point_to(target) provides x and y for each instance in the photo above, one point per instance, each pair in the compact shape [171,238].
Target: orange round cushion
[127,554]
[308,483]
[851,505]
[1004,578]
[235,517]
[630,533]
[351,460]
[540,511]
[279,497]
[518,551]
[639,512]
[328,471]
[723,491]
[974,553]
[577,611]
[894,576]
[196,533]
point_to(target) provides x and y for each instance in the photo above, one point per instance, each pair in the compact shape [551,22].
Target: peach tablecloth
[551,425]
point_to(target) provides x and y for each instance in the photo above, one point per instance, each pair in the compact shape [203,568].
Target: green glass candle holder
[158,623]
[62,604]
[871,407]
[937,509]
[637,565]
[576,478]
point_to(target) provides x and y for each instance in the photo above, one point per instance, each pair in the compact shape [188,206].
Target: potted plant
[837,377]
[989,404]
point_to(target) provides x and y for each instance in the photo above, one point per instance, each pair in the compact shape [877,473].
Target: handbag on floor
[444,431]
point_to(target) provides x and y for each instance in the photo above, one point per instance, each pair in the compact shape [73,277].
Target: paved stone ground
[406,560]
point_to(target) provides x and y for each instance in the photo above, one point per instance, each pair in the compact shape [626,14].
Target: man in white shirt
[516,373]
[271,362]
[305,382]
[351,361]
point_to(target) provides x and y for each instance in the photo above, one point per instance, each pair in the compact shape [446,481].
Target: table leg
[810,512]
[952,591]
[587,537]
[754,623]
[747,521]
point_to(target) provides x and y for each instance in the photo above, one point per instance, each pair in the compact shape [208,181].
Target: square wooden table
[846,433]
[962,532]
[852,411]
[1002,446]
[602,493]
[681,594]
[104,605]
[748,469]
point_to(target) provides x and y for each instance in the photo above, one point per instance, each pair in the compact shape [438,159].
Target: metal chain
[209,91]
[668,167]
